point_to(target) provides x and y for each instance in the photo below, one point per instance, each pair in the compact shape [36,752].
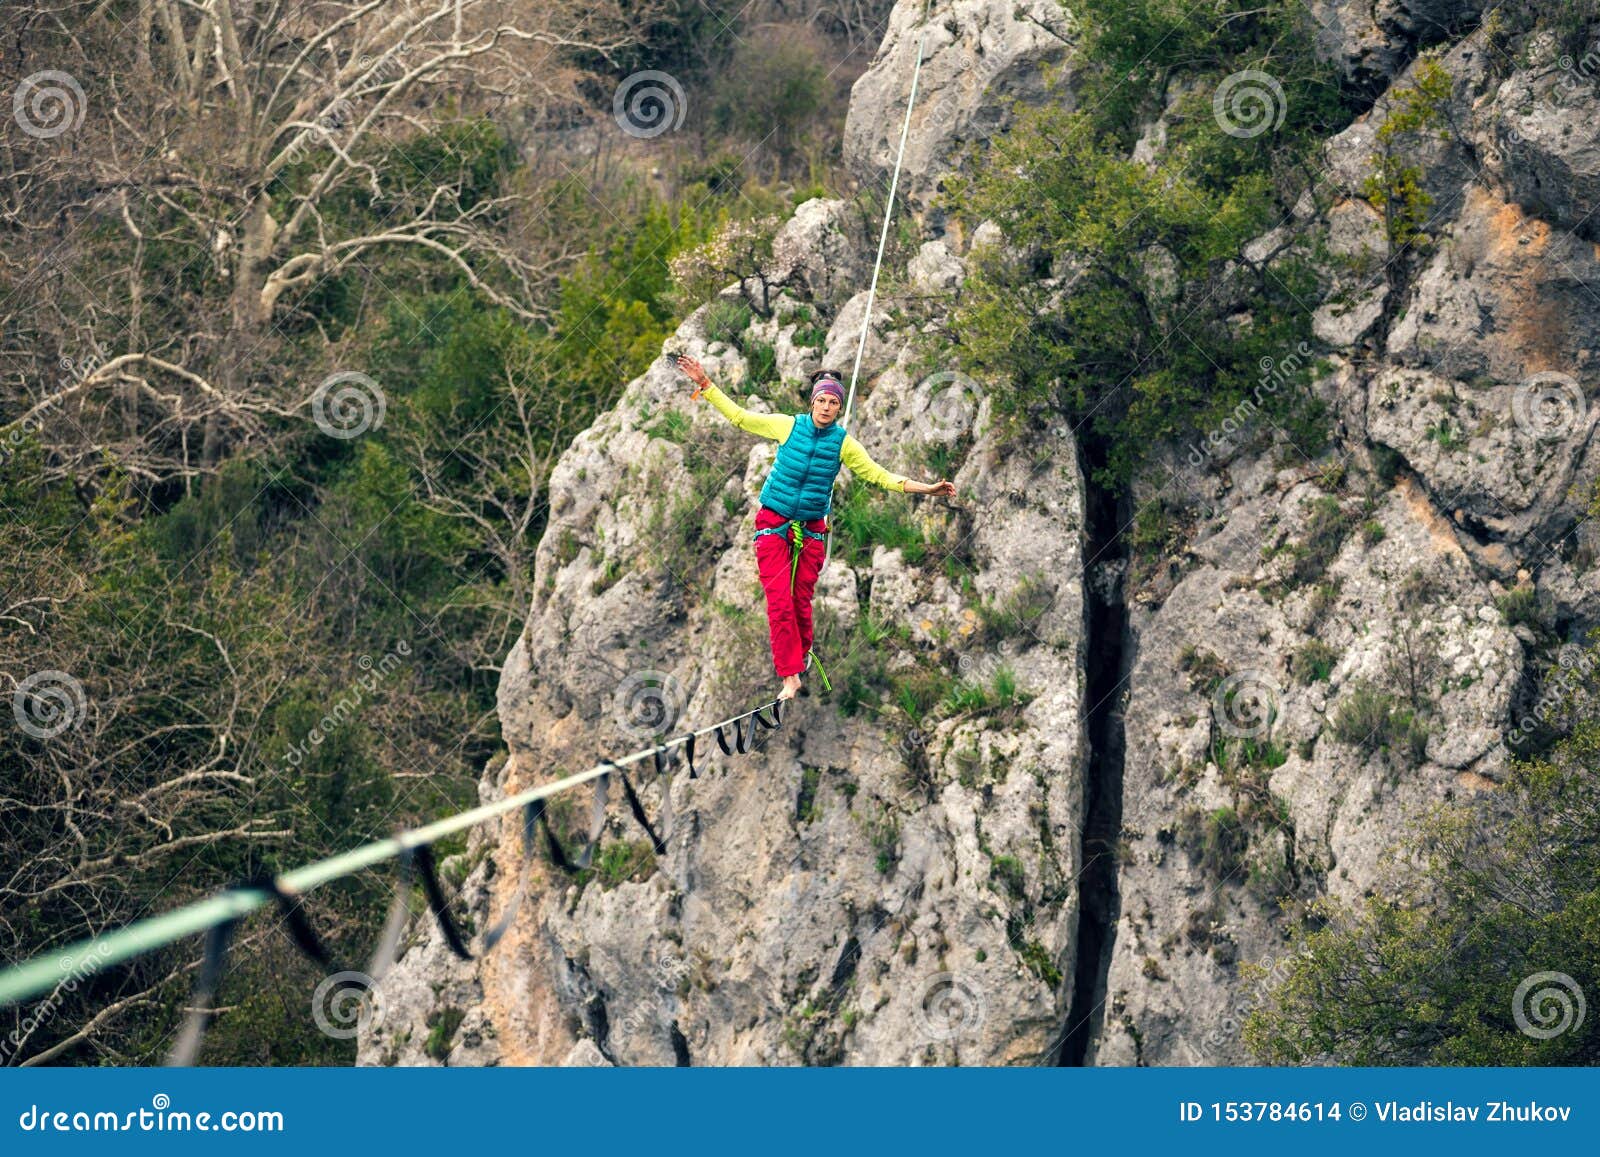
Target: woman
[794,502]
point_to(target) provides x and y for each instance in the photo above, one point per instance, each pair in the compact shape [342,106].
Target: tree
[1492,957]
[232,160]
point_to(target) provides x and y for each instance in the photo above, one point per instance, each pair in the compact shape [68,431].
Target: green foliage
[1009,872]
[1145,348]
[1039,961]
[1519,606]
[726,319]
[920,690]
[1017,613]
[1374,721]
[763,360]
[1508,892]
[1394,186]
[775,93]
[1215,839]
[1326,527]
[806,806]
[442,1025]
[673,426]
[866,517]
[1313,663]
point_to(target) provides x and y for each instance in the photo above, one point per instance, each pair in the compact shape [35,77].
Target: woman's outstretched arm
[860,463]
[774,426]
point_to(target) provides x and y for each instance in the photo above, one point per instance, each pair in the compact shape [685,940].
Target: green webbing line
[821,672]
[98,952]
[797,543]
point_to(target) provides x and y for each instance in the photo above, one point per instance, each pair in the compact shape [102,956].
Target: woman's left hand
[943,488]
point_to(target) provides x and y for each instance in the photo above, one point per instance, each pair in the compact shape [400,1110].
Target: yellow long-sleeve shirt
[778,427]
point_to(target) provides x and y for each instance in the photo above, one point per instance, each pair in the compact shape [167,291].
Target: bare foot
[791,687]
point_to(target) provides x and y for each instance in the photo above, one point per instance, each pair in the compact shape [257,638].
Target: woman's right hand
[694,370]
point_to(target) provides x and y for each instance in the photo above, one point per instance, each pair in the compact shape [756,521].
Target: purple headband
[828,386]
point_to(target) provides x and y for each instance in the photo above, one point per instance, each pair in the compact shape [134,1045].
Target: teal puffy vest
[801,482]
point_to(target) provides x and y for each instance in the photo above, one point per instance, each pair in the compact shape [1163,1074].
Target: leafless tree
[182,174]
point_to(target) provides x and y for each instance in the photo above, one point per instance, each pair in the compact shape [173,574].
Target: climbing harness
[797,533]
[822,672]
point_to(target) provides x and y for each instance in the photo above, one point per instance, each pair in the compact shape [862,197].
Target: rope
[883,236]
[877,265]
[97,953]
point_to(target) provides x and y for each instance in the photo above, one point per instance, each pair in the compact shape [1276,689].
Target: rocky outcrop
[1328,642]
[1320,609]
[1372,40]
[978,60]
[860,891]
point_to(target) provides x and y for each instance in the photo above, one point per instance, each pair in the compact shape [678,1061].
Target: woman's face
[824,409]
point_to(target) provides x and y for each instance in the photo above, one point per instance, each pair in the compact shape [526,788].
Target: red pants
[788,615]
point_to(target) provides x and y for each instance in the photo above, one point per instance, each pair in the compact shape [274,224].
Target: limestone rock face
[1323,645]
[1372,40]
[978,59]
[854,892]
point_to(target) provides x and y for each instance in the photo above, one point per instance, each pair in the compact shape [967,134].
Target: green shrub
[867,517]
[442,1025]
[1313,663]
[1008,870]
[762,360]
[1373,721]
[1326,529]
[1519,606]
[1205,670]
[918,691]
[1215,839]
[1433,977]
[1104,356]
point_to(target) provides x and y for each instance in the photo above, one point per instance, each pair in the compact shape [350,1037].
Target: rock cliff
[864,891]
